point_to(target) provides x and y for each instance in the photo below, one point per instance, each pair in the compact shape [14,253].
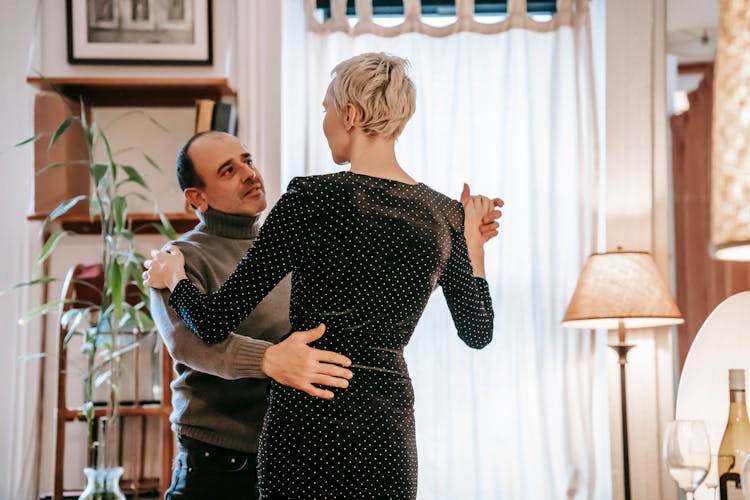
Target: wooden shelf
[155,409]
[137,92]
[140,223]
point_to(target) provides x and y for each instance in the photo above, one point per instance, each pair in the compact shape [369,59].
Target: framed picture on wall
[161,32]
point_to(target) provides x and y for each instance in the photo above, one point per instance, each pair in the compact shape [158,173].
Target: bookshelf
[140,223]
[133,92]
[137,93]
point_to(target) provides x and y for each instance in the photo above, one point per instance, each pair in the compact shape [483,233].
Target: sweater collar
[232,226]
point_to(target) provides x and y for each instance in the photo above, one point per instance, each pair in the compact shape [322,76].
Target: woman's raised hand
[481,215]
[165,268]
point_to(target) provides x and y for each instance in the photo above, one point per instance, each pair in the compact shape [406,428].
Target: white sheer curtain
[511,113]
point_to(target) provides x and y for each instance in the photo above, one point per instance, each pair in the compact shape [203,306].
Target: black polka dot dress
[365,254]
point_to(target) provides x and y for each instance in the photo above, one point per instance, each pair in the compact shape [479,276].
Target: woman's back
[377,250]
[374,251]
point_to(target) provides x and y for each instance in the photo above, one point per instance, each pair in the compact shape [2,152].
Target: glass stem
[689,495]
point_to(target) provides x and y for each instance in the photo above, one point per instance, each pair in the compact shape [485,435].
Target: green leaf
[119,211]
[84,122]
[91,286]
[98,171]
[43,309]
[166,229]
[61,209]
[69,335]
[37,281]
[138,112]
[87,130]
[124,150]
[61,130]
[49,247]
[103,377]
[152,163]
[146,322]
[134,176]
[61,164]
[140,196]
[127,322]
[110,156]
[125,349]
[30,139]
[88,411]
[92,135]
[68,315]
[116,287]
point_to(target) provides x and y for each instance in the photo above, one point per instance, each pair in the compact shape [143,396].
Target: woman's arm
[280,248]
[465,289]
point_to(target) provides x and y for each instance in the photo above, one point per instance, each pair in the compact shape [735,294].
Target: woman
[366,247]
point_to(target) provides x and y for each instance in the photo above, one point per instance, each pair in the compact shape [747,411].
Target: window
[441,8]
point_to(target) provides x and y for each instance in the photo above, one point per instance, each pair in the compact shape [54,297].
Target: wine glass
[687,453]
[712,478]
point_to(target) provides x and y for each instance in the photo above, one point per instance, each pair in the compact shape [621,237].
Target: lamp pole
[622,348]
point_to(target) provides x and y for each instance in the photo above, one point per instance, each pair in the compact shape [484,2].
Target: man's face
[232,183]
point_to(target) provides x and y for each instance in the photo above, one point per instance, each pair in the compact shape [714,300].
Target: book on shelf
[212,115]
[225,118]
[204,112]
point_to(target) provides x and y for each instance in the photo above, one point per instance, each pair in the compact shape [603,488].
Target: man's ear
[196,198]
[352,116]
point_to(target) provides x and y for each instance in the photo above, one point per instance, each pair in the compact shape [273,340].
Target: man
[219,394]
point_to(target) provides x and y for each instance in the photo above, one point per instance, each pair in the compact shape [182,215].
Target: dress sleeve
[468,297]
[281,246]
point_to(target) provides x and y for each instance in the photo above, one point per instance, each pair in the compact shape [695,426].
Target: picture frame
[142,32]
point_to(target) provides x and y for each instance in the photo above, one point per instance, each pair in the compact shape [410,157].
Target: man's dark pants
[203,471]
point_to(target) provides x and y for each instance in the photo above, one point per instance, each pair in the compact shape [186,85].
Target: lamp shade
[730,134]
[621,286]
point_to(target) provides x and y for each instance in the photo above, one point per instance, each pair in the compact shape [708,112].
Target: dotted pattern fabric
[365,254]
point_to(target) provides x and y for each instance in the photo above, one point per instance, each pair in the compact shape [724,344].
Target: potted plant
[101,323]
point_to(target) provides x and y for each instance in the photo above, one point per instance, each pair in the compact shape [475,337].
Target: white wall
[637,218]
[18,439]
[52,59]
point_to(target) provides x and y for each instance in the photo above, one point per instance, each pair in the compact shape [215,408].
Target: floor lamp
[621,290]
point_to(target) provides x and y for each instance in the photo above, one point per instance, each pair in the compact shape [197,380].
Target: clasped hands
[481,216]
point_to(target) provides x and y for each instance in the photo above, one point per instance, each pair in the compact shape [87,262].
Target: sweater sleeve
[468,297]
[237,357]
[281,246]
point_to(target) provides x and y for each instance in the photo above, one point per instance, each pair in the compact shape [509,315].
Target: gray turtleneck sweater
[219,393]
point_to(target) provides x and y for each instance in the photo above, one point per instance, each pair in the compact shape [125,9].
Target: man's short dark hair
[186,174]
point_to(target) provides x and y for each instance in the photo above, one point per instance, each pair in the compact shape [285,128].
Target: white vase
[103,484]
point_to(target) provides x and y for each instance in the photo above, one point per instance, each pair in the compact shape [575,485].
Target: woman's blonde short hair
[377,84]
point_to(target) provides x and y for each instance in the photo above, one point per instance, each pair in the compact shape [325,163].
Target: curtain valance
[568,14]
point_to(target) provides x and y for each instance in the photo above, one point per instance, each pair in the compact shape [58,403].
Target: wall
[52,59]
[637,217]
[19,377]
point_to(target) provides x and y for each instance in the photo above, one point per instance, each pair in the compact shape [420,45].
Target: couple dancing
[365,248]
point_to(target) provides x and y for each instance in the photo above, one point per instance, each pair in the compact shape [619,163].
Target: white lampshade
[621,286]
[730,162]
